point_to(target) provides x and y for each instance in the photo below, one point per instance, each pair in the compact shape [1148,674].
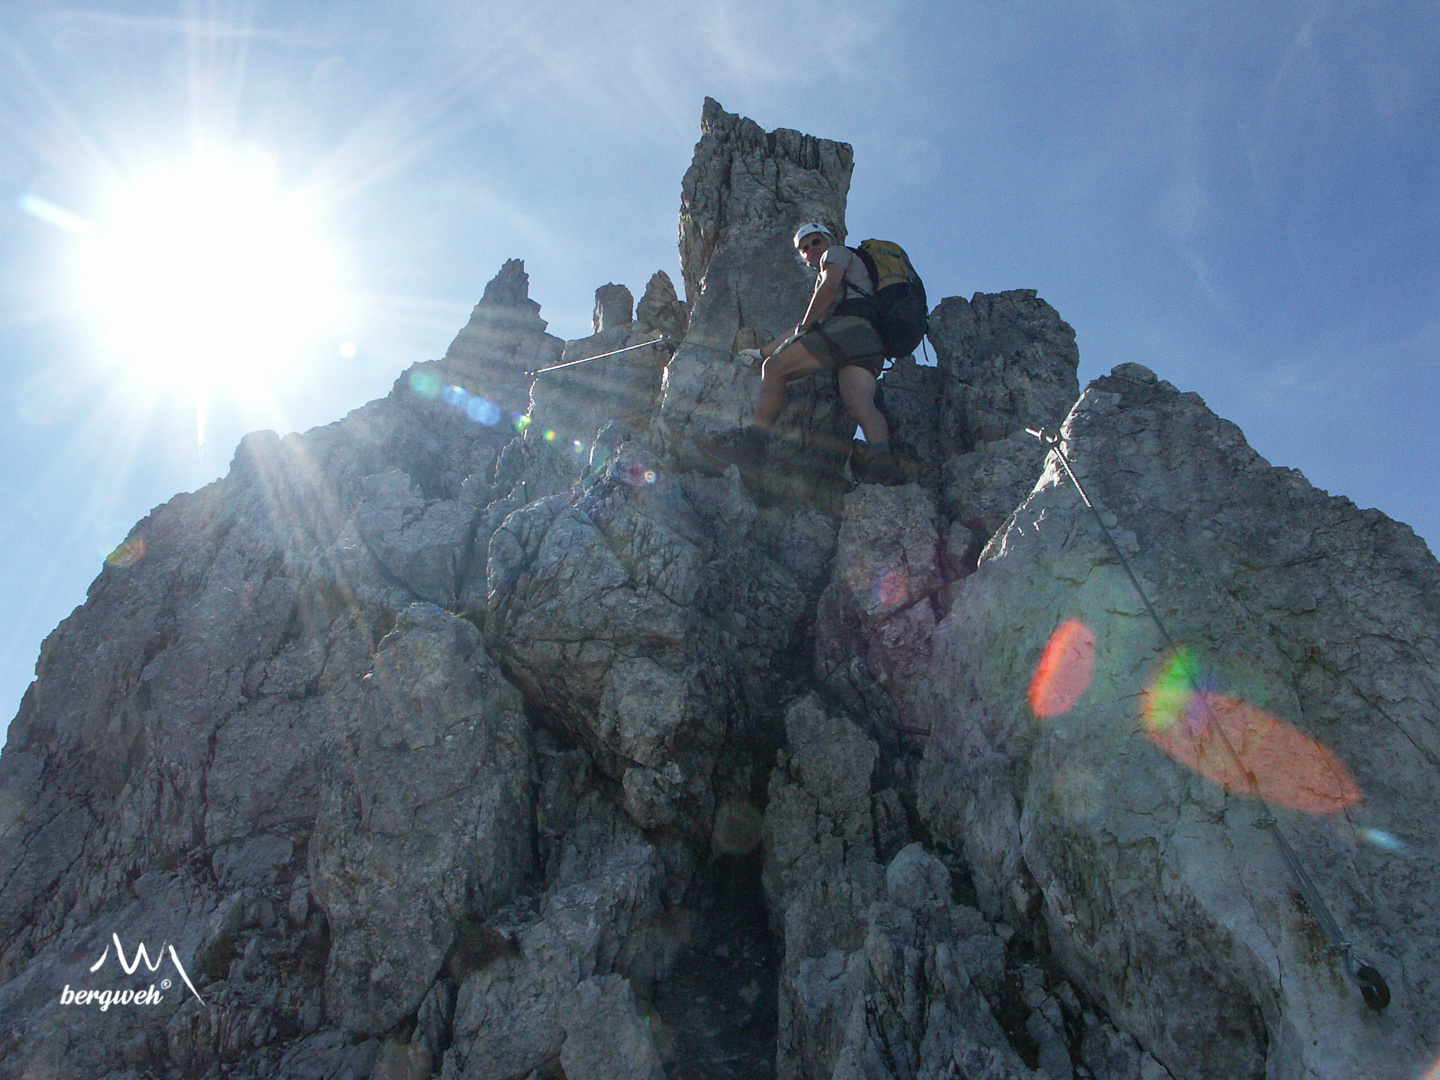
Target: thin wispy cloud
[169,26]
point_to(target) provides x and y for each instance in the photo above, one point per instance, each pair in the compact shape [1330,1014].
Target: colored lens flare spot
[1240,747]
[425,383]
[482,411]
[477,407]
[637,475]
[128,553]
[1383,841]
[893,589]
[1067,664]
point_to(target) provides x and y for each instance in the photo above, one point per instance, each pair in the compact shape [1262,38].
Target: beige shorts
[844,341]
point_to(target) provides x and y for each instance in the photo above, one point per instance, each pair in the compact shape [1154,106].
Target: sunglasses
[813,242]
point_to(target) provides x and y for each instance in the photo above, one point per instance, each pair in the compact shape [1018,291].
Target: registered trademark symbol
[164,984]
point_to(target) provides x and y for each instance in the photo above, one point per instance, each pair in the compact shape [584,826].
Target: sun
[207,277]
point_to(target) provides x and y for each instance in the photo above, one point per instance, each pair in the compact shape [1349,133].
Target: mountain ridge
[442,744]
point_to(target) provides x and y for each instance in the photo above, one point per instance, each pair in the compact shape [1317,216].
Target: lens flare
[637,475]
[477,407]
[1063,674]
[1383,841]
[130,552]
[425,383]
[483,411]
[888,590]
[893,589]
[1242,748]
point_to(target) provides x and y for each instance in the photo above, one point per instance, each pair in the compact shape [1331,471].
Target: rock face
[443,741]
[1128,830]
[742,198]
[425,815]
[504,341]
[1006,355]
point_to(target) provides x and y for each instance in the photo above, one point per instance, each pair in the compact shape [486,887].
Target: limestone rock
[742,198]
[660,310]
[820,876]
[709,396]
[426,816]
[187,717]
[910,396]
[984,486]
[1157,893]
[614,308]
[606,606]
[527,471]
[513,1012]
[876,616]
[819,818]
[876,980]
[1007,353]
[503,342]
[605,1037]
[424,543]
[656,799]
[916,879]
[573,404]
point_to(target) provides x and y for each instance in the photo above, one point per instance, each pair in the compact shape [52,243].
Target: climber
[846,344]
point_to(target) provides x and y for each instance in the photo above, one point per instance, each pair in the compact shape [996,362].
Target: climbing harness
[1371,983]
[661,340]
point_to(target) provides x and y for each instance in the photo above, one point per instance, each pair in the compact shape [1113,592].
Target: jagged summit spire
[740,200]
[510,287]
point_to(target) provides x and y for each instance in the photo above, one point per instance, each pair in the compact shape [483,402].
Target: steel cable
[1372,984]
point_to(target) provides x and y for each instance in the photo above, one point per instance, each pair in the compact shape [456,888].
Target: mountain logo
[105,998]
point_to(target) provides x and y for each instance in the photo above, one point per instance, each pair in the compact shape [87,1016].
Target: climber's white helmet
[810,228]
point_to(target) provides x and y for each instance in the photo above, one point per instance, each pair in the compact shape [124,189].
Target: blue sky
[1243,197]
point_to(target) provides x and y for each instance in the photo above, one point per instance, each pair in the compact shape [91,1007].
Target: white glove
[751,356]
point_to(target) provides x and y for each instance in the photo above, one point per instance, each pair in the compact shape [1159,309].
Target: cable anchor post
[1050,438]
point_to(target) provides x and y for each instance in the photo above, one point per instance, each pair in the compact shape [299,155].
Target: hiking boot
[881,469]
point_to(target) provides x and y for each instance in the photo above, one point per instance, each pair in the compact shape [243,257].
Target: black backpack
[897,305]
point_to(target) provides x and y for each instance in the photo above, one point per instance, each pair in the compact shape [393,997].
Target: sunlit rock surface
[620,385]
[1006,362]
[1121,821]
[742,198]
[496,731]
[496,352]
[425,818]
